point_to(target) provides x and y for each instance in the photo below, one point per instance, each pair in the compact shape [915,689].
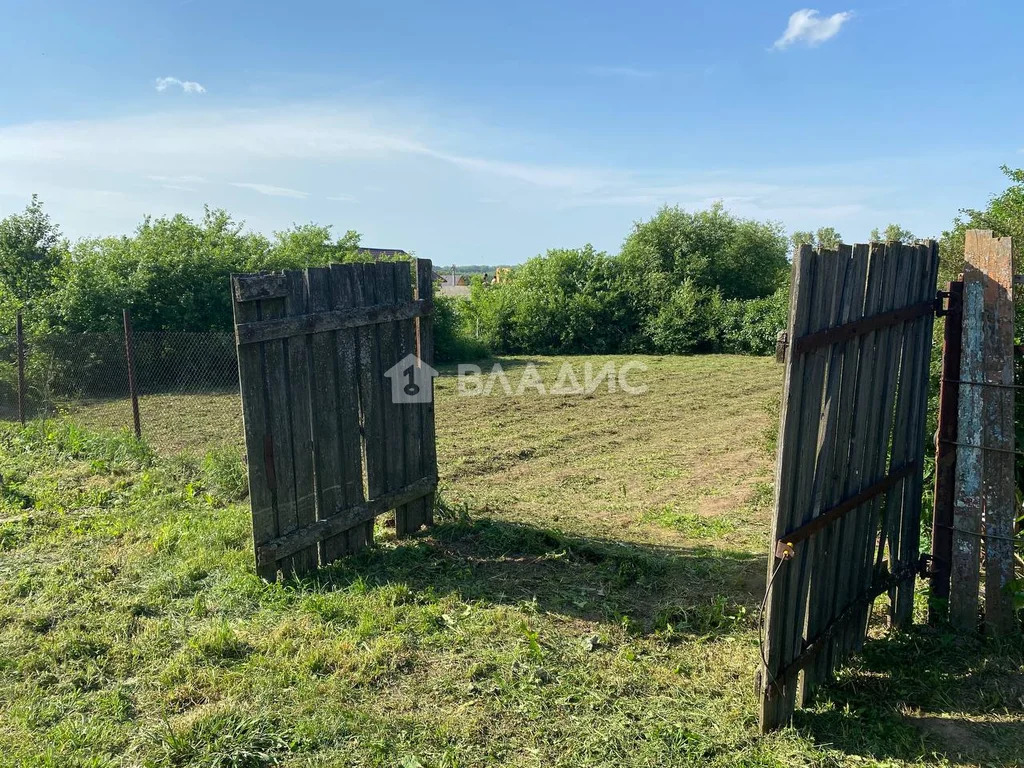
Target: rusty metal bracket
[784,546]
[861,326]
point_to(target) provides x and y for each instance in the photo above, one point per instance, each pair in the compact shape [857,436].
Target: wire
[981,447]
[980,535]
[983,384]
[760,620]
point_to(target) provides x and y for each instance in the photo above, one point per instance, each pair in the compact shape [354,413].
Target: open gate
[849,473]
[330,442]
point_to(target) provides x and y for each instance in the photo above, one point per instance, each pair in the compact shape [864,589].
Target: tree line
[682,282]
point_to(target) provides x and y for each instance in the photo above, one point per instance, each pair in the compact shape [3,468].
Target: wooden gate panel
[327,448]
[852,431]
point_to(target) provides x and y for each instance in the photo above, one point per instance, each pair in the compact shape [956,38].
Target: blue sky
[489,132]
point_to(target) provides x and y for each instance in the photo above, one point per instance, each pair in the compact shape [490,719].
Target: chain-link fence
[186,384]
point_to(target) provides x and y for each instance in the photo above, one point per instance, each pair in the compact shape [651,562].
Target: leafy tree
[32,254]
[1004,215]
[173,274]
[799,238]
[312,245]
[828,238]
[568,300]
[711,249]
[893,233]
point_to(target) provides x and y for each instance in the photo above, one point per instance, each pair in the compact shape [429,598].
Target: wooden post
[945,455]
[129,351]
[20,330]
[984,472]
[997,487]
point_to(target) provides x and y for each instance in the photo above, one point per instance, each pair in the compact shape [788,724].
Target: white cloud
[342,198]
[187,86]
[806,26]
[270,189]
[625,72]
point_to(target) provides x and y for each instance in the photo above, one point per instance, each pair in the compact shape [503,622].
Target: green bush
[690,321]
[453,341]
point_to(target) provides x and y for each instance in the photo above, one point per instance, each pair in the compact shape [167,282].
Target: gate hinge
[944,303]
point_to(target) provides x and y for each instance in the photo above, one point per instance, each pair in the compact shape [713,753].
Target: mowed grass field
[588,598]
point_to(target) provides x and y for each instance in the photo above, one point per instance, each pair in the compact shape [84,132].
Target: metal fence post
[20,331]
[129,350]
[945,454]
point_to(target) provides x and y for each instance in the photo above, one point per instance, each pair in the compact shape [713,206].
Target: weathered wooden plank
[344,295]
[279,395]
[773,706]
[853,528]
[394,441]
[257,439]
[327,456]
[410,517]
[825,310]
[890,346]
[995,262]
[833,457]
[890,357]
[820,426]
[910,537]
[884,360]
[303,561]
[344,520]
[257,287]
[905,528]
[425,343]
[965,573]
[372,389]
[893,508]
[331,320]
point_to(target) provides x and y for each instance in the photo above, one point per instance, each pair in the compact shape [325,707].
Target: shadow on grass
[926,694]
[699,591]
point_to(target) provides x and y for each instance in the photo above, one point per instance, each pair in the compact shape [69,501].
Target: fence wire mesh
[186,383]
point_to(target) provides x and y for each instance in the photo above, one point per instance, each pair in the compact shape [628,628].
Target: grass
[588,598]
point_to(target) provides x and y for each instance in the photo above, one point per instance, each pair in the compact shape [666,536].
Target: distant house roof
[382,253]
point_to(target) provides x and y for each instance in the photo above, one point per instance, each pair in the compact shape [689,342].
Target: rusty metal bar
[859,327]
[129,351]
[784,545]
[945,454]
[20,335]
